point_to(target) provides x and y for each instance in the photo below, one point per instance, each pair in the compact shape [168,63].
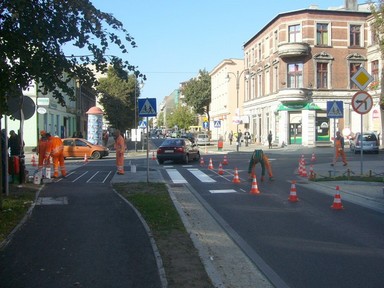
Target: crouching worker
[258,156]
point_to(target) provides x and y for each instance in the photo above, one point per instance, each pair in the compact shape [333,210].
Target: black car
[188,136]
[177,150]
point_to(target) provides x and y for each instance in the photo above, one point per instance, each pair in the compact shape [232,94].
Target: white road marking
[201,175]
[175,176]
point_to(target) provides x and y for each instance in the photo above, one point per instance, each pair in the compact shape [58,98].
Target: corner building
[297,63]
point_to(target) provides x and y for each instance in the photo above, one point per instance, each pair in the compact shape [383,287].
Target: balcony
[286,50]
[294,95]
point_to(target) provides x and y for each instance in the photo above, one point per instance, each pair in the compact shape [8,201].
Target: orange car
[78,147]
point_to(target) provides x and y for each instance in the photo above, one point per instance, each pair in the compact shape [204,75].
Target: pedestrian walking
[120,149]
[230,137]
[270,140]
[258,156]
[339,149]
[14,143]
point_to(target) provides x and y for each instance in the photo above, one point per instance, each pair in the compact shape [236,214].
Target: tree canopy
[33,34]
[182,117]
[117,95]
[197,92]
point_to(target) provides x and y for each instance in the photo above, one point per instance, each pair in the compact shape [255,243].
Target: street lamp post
[141,85]
[237,77]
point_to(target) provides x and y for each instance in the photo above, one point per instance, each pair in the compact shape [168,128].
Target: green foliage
[33,34]
[197,92]
[160,119]
[118,96]
[182,117]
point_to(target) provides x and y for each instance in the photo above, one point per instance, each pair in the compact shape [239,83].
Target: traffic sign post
[362,102]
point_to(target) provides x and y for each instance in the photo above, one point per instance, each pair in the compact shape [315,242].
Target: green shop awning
[298,107]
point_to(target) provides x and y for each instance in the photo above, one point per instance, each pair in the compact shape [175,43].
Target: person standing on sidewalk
[339,149]
[270,140]
[120,149]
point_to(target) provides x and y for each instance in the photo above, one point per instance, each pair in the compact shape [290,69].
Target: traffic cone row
[292,194]
[225,161]
[210,166]
[33,160]
[85,158]
[153,155]
[254,189]
[236,179]
[313,158]
[312,174]
[337,200]
[202,161]
[221,171]
[302,168]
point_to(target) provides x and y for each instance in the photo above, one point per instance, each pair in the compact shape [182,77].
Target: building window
[275,79]
[322,34]
[295,75]
[275,40]
[354,35]
[322,75]
[294,33]
[353,67]
[259,51]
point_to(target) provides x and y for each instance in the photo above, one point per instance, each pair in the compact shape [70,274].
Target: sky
[177,38]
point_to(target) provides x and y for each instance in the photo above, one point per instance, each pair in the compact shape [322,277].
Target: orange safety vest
[55,147]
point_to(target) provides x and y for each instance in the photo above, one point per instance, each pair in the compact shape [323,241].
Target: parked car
[177,150]
[203,139]
[370,143]
[78,147]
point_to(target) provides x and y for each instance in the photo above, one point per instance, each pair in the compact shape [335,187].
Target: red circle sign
[362,102]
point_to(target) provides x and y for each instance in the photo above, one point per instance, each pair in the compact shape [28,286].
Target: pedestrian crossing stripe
[175,176]
[222,191]
[201,176]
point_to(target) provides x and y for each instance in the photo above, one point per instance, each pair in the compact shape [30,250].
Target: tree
[33,34]
[197,92]
[118,97]
[182,117]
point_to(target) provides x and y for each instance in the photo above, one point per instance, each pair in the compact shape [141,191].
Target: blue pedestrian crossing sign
[147,107]
[143,124]
[217,123]
[335,109]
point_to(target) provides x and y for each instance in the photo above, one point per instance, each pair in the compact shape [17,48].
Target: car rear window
[172,142]
[369,137]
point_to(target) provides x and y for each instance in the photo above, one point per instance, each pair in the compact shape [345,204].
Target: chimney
[351,5]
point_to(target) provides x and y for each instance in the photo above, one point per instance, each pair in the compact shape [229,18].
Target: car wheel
[197,158]
[186,159]
[96,155]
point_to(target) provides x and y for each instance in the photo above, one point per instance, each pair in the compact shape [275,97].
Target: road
[80,235]
[302,244]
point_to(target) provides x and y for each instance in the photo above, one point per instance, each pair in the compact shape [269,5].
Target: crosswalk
[176,177]
[88,176]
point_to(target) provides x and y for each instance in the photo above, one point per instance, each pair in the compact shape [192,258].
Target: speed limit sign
[362,102]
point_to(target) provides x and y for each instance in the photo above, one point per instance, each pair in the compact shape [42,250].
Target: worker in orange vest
[120,149]
[339,149]
[258,156]
[41,150]
[55,149]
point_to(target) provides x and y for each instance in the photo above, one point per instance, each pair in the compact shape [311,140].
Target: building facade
[299,61]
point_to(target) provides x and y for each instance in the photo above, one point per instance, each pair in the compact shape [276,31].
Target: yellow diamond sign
[362,78]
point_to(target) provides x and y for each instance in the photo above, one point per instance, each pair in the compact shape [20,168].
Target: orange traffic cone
[304,170]
[337,200]
[85,158]
[153,155]
[312,174]
[210,166]
[292,194]
[202,161]
[236,179]
[225,161]
[221,171]
[33,161]
[313,159]
[255,188]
